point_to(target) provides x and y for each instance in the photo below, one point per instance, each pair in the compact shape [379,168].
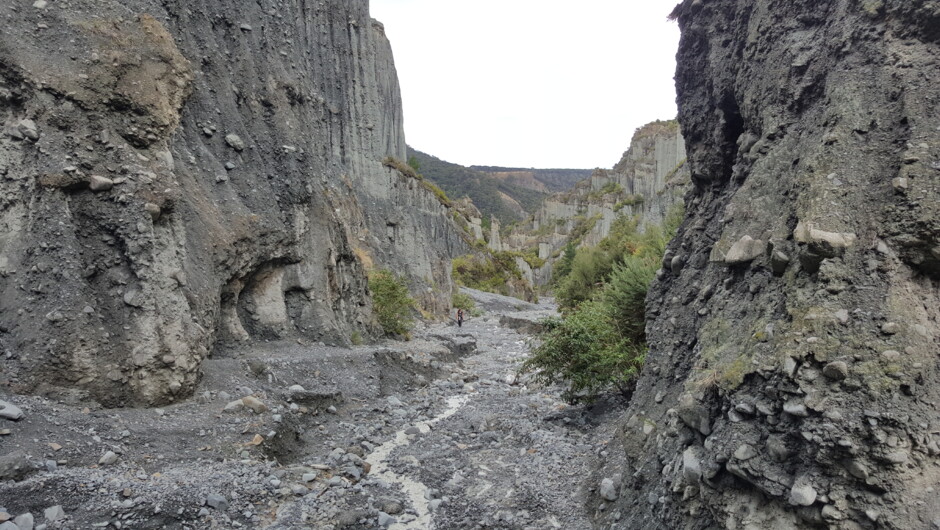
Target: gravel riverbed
[438,432]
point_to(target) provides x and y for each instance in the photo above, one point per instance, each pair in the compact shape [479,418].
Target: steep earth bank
[174,175]
[792,379]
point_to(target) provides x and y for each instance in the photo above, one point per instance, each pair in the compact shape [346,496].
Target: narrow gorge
[228,286]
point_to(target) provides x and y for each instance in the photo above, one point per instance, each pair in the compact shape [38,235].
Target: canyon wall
[175,175]
[649,180]
[792,379]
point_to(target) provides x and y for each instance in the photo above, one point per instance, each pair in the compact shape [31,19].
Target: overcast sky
[531,83]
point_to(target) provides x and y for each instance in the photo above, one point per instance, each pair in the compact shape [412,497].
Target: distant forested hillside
[553,180]
[505,193]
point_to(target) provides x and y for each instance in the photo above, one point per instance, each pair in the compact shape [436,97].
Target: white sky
[531,83]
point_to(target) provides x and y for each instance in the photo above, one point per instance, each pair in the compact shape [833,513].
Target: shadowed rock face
[175,174]
[794,381]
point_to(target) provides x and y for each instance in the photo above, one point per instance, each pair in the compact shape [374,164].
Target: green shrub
[392,302]
[589,270]
[463,301]
[601,342]
[625,295]
[438,192]
[356,338]
[629,200]
[563,266]
[482,274]
[586,352]
[401,167]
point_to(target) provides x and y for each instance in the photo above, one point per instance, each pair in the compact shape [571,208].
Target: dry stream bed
[438,433]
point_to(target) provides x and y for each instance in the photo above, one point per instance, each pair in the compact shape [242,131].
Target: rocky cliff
[649,179]
[176,174]
[792,378]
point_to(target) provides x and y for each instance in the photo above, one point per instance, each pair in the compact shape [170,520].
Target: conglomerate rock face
[792,379]
[175,174]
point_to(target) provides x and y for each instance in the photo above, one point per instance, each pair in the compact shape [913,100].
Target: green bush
[463,301]
[625,295]
[629,200]
[438,192]
[356,338]
[586,352]
[601,342]
[589,270]
[482,274]
[392,302]
[401,167]
[563,266]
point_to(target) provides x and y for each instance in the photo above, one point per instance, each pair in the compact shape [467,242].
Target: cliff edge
[792,378]
[176,175]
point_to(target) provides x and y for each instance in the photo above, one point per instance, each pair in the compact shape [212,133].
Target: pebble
[9,526]
[296,388]
[254,404]
[745,452]
[802,495]
[217,502]
[24,521]
[857,470]
[55,513]
[795,407]
[28,129]
[108,458]
[234,406]
[297,489]
[897,457]
[608,491]
[99,183]
[386,520]
[235,142]
[309,477]
[10,411]
[891,355]
[843,316]
[691,465]
[890,328]
[837,370]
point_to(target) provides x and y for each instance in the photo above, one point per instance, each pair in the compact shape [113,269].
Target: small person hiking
[460,318]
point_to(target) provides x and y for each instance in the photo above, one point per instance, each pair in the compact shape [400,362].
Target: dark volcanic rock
[813,126]
[188,181]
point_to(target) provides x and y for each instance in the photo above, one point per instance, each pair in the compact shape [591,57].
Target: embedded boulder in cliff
[797,387]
